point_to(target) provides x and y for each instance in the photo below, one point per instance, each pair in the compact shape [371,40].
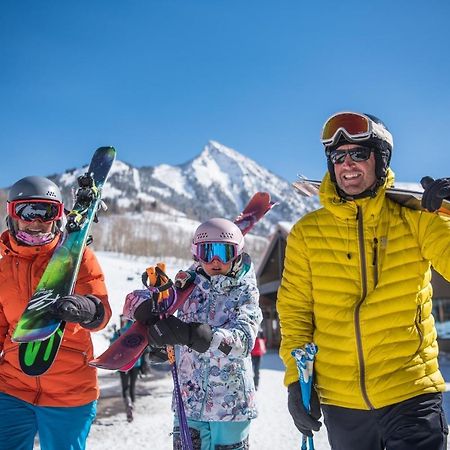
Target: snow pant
[415,424]
[214,435]
[59,428]
[128,380]
[256,363]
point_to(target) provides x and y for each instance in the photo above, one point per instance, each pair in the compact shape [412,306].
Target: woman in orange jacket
[60,405]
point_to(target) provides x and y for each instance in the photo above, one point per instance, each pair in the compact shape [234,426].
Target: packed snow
[151,428]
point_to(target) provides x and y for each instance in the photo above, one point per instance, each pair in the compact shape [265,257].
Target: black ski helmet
[34,188]
[380,140]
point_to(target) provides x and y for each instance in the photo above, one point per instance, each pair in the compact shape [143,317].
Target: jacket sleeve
[237,336]
[433,234]
[295,302]
[92,281]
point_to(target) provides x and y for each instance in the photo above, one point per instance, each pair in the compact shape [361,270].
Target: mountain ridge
[216,183]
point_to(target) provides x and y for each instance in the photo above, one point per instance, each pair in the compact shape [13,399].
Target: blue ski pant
[415,424]
[59,428]
[214,435]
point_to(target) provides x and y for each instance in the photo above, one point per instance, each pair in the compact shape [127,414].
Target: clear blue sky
[159,78]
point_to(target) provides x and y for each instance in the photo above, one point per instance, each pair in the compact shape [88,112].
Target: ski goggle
[357,154]
[225,252]
[42,210]
[354,126]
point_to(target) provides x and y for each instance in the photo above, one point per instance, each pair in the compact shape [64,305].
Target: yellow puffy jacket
[356,282]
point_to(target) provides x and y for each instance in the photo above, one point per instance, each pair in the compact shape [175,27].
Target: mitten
[172,331]
[86,310]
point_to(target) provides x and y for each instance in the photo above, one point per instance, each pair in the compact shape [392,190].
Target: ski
[409,198]
[38,333]
[129,346]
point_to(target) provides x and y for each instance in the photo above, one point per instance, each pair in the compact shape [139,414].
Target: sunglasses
[42,210]
[354,126]
[225,252]
[357,154]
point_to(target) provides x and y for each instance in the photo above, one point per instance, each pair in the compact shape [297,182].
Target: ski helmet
[363,129]
[218,230]
[34,188]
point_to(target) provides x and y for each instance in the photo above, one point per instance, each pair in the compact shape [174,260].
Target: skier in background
[259,350]
[215,331]
[128,379]
[60,405]
[356,282]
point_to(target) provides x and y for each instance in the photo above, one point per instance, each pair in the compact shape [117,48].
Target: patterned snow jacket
[356,281]
[70,381]
[218,385]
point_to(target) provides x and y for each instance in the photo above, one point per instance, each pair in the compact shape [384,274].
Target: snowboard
[126,350]
[405,197]
[39,334]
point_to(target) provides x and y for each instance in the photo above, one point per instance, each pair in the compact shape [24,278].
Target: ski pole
[304,358]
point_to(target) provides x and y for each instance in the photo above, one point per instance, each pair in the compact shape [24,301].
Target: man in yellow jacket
[356,282]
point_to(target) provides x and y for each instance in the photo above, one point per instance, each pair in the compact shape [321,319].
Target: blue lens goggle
[225,252]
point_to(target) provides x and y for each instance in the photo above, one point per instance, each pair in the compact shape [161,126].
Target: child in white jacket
[214,333]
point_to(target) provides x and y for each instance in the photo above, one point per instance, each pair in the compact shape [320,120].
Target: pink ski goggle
[224,251]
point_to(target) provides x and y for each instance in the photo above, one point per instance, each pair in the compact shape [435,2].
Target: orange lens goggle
[355,126]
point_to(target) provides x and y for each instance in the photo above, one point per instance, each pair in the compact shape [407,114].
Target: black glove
[305,423]
[434,192]
[173,331]
[86,310]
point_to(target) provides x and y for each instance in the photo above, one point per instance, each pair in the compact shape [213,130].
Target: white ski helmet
[218,230]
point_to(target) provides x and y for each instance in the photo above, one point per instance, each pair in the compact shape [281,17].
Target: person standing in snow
[356,282]
[214,333]
[128,379]
[259,350]
[59,405]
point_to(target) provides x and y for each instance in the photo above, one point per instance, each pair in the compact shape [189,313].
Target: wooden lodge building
[269,274]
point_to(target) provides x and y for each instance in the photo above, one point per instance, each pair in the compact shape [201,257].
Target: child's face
[216,267]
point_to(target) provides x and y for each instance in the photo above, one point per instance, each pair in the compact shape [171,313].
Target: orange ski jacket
[70,381]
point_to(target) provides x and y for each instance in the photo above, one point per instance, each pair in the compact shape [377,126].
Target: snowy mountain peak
[216,149]
[216,183]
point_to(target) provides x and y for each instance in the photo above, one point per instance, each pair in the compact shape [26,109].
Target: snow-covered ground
[273,429]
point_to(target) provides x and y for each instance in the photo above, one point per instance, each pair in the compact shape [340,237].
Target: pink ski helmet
[217,238]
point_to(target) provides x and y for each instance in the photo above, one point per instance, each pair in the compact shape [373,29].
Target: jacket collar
[347,209]
[10,247]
